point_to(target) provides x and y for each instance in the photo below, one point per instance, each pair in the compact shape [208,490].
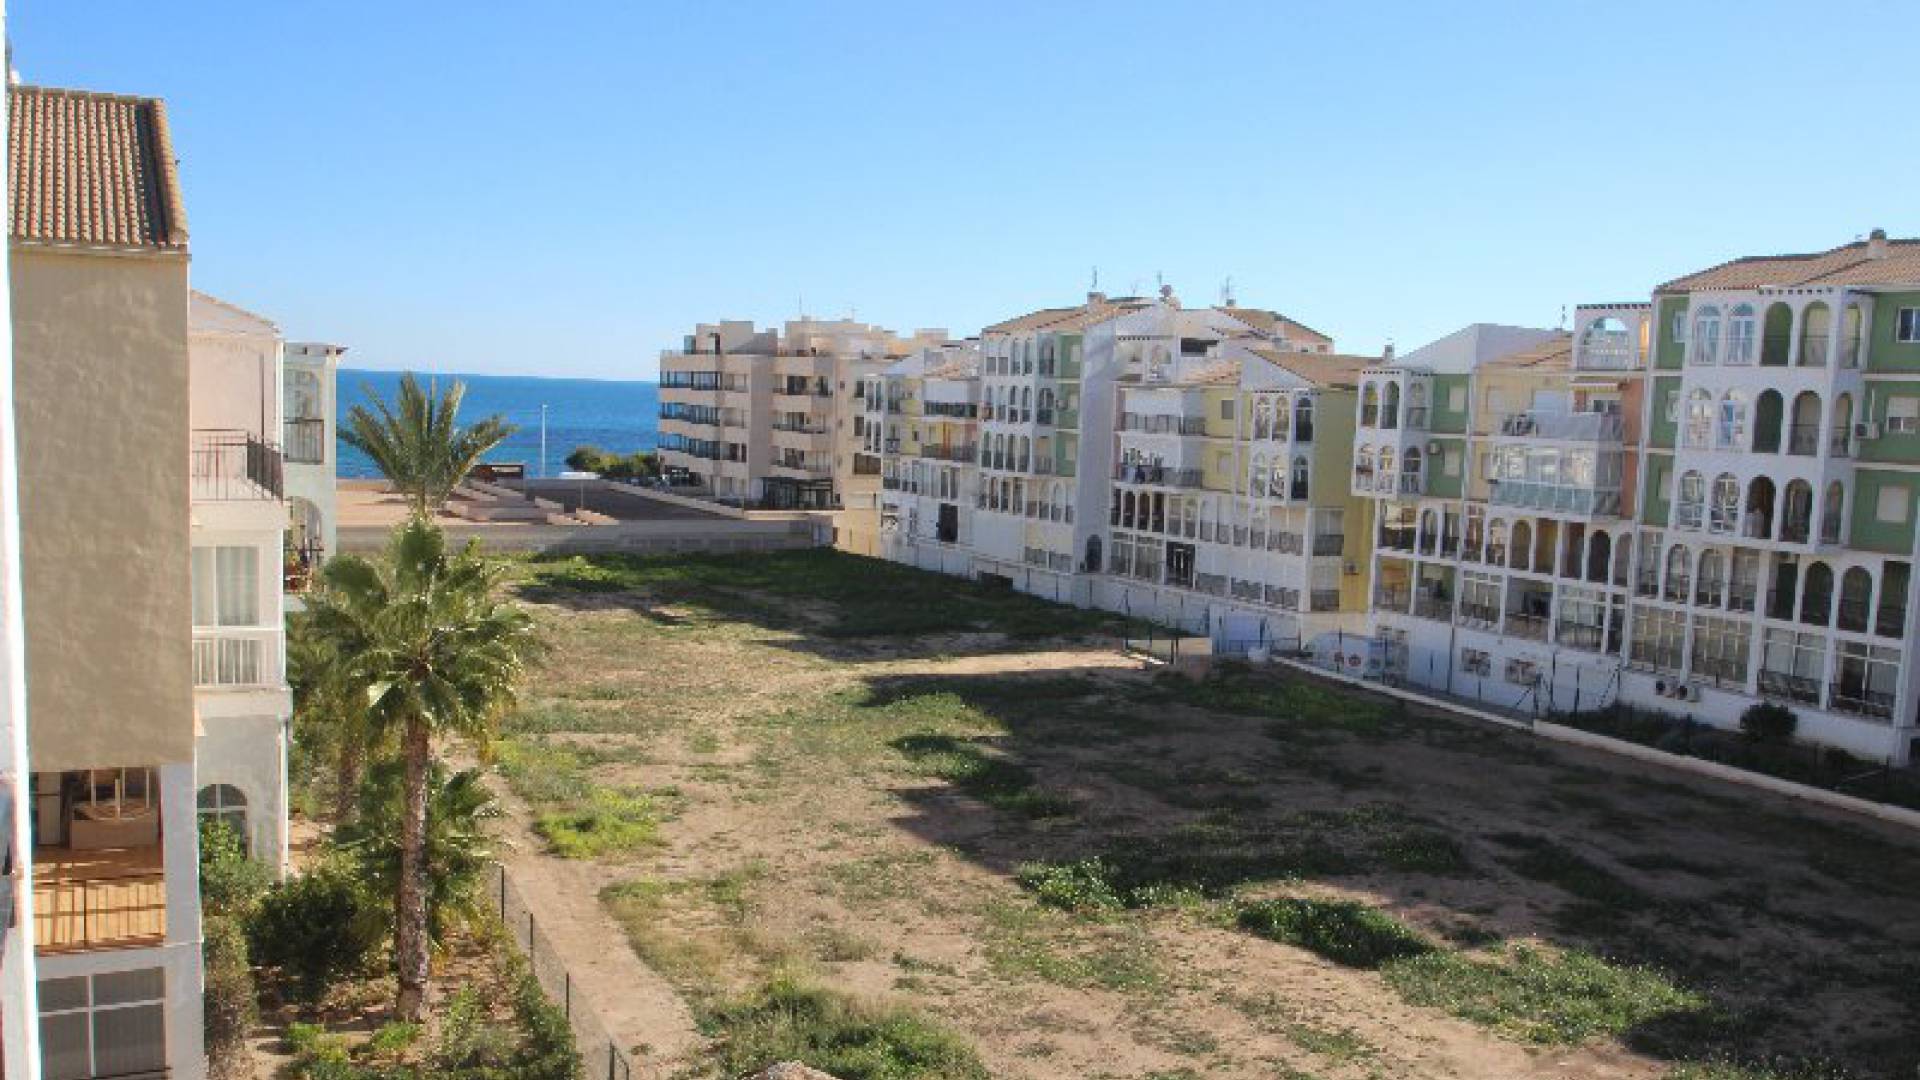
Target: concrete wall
[100,370]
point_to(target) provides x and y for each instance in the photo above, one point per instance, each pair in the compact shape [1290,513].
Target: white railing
[236,656]
[1573,500]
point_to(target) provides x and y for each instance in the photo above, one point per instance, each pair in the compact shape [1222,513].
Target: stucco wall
[100,378]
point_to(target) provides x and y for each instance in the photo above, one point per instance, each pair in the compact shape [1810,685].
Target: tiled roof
[1848,264]
[92,170]
[1330,370]
[1272,322]
[1066,319]
[1555,354]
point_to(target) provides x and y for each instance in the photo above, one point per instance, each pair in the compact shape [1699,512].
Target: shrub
[1345,932]
[469,1039]
[230,882]
[836,1034]
[314,928]
[231,1006]
[1769,722]
[1543,997]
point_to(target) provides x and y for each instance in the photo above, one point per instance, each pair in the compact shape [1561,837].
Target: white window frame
[92,1011]
[1906,326]
[1903,414]
[1897,511]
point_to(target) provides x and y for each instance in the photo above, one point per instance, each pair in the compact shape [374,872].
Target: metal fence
[600,1054]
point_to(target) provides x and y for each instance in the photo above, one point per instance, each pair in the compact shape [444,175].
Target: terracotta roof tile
[92,170]
[1848,264]
[1554,354]
[1330,370]
[1272,322]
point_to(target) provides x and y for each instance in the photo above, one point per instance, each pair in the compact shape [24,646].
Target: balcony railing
[1572,500]
[1477,614]
[1323,600]
[1163,425]
[1130,473]
[1579,426]
[306,441]
[232,465]
[1790,687]
[965,452]
[88,900]
[1329,544]
[236,657]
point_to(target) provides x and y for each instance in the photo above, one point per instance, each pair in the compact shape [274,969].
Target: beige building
[767,417]
[99,293]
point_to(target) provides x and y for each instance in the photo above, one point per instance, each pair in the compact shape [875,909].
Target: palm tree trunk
[347,777]
[410,899]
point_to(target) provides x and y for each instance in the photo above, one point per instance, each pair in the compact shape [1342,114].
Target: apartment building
[1499,467]
[764,417]
[98,264]
[310,378]
[1131,454]
[1776,527]
[240,562]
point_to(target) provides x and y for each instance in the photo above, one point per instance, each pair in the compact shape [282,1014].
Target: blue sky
[565,188]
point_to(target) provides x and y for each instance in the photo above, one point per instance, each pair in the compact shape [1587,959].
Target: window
[1907,326]
[1522,672]
[1733,420]
[1678,329]
[1226,408]
[1476,662]
[1457,399]
[109,1024]
[1892,505]
[1659,636]
[1700,412]
[1706,336]
[1450,463]
[226,586]
[1903,414]
[1740,331]
[225,803]
[1720,648]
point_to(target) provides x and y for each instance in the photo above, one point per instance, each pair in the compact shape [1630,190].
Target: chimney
[1877,244]
[1095,299]
[1386,354]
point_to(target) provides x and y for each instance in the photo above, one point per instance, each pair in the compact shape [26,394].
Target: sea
[615,416]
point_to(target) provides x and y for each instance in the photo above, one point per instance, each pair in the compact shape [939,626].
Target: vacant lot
[901,826]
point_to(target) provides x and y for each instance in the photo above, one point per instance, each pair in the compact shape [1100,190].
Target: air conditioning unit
[1866,429]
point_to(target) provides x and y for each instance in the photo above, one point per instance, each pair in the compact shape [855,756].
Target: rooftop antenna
[1094,286]
[1563,317]
[1226,292]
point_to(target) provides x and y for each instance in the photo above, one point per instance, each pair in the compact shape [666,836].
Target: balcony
[109,898]
[1566,427]
[306,441]
[1158,475]
[963,453]
[1323,600]
[1803,440]
[1377,482]
[1163,425]
[1595,502]
[234,466]
[236,657]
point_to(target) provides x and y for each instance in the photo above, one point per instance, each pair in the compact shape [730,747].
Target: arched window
[1816,601]
[1723,511]
[1390,406]
[1700,419]
[1679,572]
[1733,420]
[1189,518]
[1760,495]
[1768,421]
[1300,477]
[1816,331]
[1776,337]
[1257,475]
[1850,328]
[1303,419]
[1386,467]
[1497,543]
[1797,519]
[1429,532]
[1740,334]
[1689,505]
[1263,418]
[226,804]
[1832,510]
[1363,462]
[1840,442]
[1277,478]
[1704,348]
[1803,433]
[1856,598]
[1410,470]
[1370,406]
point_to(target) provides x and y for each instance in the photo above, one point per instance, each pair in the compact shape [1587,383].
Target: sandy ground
[879,881]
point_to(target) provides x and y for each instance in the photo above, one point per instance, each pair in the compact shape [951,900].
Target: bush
[1343,931]
[230,882]
[1769,722]
[231,1006]
[836,1034]
[639,465]
[314,928]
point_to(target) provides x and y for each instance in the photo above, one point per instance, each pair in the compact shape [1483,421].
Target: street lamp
[543,442]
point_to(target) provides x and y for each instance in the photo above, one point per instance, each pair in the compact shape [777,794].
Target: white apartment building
[240,562]
[310,377]
[765,417]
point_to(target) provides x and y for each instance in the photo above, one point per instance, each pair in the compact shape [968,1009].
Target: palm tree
[458,848]
[438,654]
[329,704]
[418,443]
